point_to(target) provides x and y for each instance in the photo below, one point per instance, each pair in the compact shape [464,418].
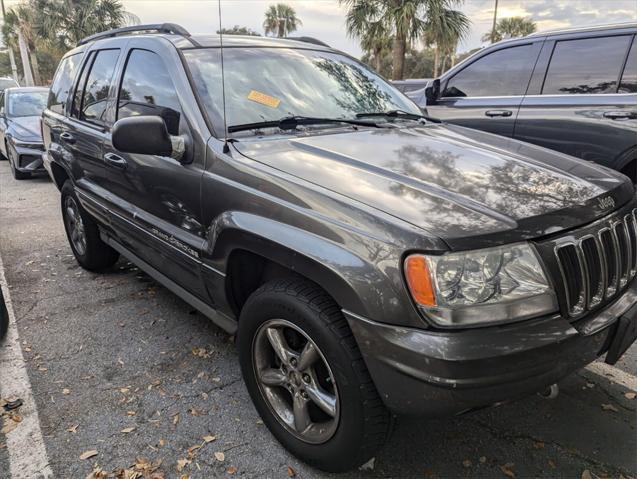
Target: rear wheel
[83,234]
[307,377]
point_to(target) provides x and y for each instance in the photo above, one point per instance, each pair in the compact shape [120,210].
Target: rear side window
[501,73]
[589,65]
[629,78]
[90,103]
[147,89]
[63,82]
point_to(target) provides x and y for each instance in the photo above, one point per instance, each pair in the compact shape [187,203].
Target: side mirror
[432,92]
[145,135]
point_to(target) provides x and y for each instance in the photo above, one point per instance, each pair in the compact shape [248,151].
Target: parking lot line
[25,445]
[614,374]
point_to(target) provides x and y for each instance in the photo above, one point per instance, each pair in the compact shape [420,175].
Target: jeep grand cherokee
[370,260]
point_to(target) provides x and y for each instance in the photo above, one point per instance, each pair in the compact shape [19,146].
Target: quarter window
[63,82]
[589,65]
[629,78]
[95,87]
[501,73]
[147,89]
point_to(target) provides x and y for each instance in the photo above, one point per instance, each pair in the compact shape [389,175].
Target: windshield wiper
[291,122]
[396,114]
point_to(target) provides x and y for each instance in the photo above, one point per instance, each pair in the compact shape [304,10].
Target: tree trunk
[399,57]
[378,60]
[14,68]
[495,21]
[36,67]
[24,56]
[436,61]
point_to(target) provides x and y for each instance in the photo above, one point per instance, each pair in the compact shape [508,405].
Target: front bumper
[433,373]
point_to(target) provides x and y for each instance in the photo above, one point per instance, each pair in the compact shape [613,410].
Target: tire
[4,317]
[18,175]
[361,424]
[87,246]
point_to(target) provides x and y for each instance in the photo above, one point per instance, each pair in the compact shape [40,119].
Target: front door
[156,210]
[486,93]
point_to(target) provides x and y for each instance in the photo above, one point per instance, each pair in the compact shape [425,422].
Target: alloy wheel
[75,225]
[296,381]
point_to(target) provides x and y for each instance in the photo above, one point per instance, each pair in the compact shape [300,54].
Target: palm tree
[511,27]
[374,36]
[19,28]
[281,19]
[405,20]
[66,22]
[445,28]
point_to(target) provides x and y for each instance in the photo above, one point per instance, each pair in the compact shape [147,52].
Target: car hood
[469,188]
[26,128]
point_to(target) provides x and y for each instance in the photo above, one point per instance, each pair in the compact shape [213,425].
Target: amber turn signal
[419,280]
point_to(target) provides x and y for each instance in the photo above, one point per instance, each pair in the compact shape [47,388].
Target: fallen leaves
[507,470]
[208,439]
[291,472]
[128,430]
[202,353]
[88,454]
[609,407]
[11,421]
[630,395]
[73,428]
[466,463]
[220,456]
[66,391]
[232,470]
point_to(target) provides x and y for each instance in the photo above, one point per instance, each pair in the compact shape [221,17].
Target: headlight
[480,287]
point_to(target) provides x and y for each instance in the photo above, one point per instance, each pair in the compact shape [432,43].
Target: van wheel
[83,235]
[307,378]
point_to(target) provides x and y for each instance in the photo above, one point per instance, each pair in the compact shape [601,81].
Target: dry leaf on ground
[609,407]
[88,454]
[507,469]
[291,472]
[220,456]
[630,395]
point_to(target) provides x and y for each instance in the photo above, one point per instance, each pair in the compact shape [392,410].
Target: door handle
[620,114]
[503,113]
[115,160]
[67,137]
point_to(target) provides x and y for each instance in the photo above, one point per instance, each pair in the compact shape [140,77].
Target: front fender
[355,284]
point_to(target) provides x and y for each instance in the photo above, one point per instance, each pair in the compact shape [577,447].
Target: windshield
[267,84]
[30,103]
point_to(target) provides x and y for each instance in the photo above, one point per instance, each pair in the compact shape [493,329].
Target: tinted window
[629,78]
[590,65]
[96,87]
[148,90]
[501,73]
[63,83]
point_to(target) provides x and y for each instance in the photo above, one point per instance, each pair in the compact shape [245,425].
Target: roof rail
[315,41]
[171,28]
[590,28]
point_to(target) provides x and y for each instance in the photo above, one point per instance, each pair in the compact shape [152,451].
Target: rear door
[579,103]
[155,199]
[487,92]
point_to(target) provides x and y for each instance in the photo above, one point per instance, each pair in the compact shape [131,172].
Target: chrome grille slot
[597,265]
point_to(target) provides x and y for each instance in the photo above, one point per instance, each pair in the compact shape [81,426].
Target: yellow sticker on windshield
[264,99]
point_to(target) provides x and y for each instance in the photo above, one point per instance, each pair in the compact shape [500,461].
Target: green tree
[511,27]
[406,21]
[65,22]
[445,28]
[281,20]
[374,36]
[237,30]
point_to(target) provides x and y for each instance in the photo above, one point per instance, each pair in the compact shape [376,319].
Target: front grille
[597,266]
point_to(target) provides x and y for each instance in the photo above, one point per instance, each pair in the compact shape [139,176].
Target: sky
[325,19]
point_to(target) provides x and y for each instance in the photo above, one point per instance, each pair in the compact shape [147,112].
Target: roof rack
[171,28]
[315,41]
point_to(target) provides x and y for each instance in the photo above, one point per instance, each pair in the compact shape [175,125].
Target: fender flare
[349,279]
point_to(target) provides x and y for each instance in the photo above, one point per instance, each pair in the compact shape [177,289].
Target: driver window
[501,73]
[147,89]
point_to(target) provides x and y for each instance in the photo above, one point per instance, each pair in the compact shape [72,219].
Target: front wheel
[307,378]
[83,234]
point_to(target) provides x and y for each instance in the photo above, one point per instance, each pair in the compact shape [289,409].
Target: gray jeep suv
[369,260]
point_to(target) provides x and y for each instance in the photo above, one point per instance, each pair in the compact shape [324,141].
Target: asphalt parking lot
[123,371]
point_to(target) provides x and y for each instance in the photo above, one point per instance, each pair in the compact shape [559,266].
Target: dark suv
[573,91]
[369,260]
